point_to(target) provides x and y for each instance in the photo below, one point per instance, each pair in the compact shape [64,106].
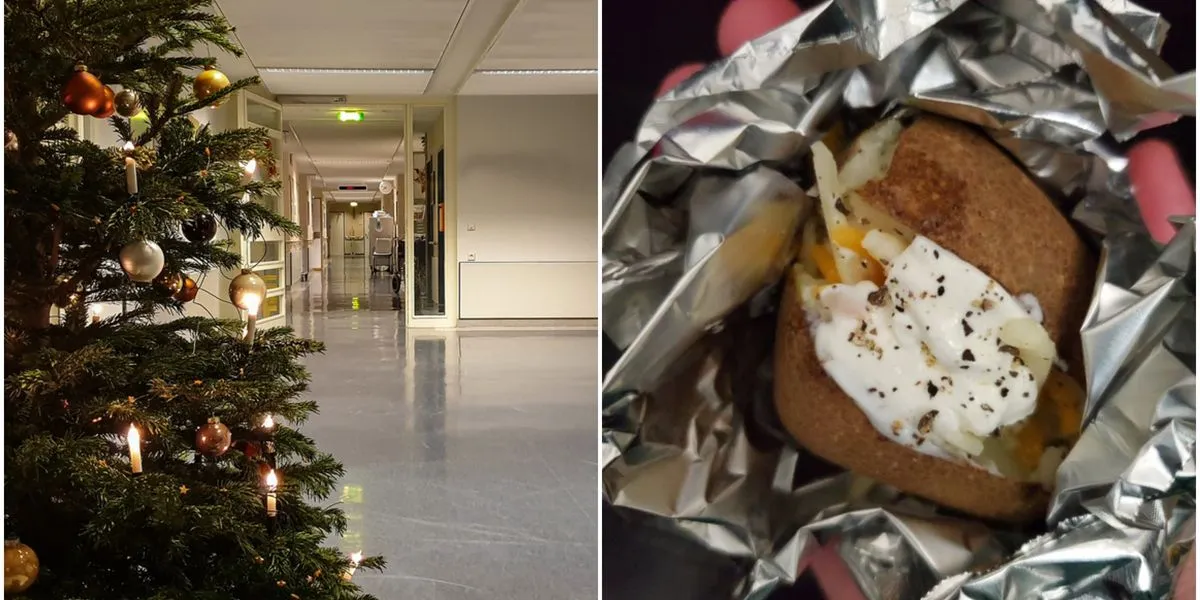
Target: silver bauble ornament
[128,104]
[247,291]
[142,261]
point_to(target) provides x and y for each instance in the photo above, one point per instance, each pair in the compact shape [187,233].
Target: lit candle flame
[251,302]
[272,480]
[96,310]
[250,166]
[134,437]
[128,147]
[268,423]
[356,558]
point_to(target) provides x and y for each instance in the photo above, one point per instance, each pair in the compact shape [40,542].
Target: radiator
[528,290]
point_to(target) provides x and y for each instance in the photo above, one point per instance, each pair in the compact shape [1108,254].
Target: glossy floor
[470,455]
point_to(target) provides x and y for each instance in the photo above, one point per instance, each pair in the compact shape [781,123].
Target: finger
[1160,187]
[831,573]
[744,20]
[1185,578]
[677,76]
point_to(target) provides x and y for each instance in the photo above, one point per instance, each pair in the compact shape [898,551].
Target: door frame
[448,252]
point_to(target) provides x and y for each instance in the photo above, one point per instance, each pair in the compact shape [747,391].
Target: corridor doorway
[381,180]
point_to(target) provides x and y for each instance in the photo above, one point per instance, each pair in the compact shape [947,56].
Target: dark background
[643,41]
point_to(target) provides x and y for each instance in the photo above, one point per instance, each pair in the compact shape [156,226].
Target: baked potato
[929,333]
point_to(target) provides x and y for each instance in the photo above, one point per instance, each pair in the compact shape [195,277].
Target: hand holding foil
[1048,81]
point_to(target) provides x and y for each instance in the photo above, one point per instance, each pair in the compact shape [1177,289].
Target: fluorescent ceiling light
[352,71]
[537,71]
[315,71]
[353,204]
[365,162]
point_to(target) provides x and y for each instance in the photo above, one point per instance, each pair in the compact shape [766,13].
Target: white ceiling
[415,47]
[376,51]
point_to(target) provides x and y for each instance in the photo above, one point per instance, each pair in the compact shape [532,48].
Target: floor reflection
[470,455]
[346,283]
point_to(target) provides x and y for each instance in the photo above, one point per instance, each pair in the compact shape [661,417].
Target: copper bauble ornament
[209,82]
[142,261]
[188,290]
[247,291]
[169,283]
[108,107]
[83,94]
[128,104]
[21,567]
[200,229]
[213,439]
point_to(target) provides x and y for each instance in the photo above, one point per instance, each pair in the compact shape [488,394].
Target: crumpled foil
[697,234]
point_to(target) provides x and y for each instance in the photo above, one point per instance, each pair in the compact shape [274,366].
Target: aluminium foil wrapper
[700,214]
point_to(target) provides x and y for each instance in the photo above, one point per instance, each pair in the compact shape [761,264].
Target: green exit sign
[350,115]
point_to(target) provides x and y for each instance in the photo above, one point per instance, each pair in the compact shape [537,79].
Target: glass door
[430,291]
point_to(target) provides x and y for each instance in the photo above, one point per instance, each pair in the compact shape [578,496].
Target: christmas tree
[147,454]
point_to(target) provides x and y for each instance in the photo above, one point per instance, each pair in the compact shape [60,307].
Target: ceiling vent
[352,188]
[311,99]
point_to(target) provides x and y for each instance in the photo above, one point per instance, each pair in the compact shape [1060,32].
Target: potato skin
[952,185]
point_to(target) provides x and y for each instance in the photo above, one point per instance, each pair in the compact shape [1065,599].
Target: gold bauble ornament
[21,567]
[108,107]
[128,104]
[169,283]
[213,439]
[209,82]
[247,291]
[83,94]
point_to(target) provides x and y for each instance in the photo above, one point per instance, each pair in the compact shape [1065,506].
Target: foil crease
[696,237]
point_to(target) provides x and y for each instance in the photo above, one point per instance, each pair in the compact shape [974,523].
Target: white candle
[130,170]
[135,450]
[272,483]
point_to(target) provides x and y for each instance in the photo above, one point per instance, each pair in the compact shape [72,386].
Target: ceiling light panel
[367,82]
[483,84]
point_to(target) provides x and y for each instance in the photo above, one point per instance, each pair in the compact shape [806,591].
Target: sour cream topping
[922,356]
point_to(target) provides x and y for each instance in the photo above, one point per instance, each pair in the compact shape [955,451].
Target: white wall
[527,183]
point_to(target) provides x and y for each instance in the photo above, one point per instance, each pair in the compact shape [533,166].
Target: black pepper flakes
[941,290]
[877,297]
[968,356]
[941,279]
[925,425]
[931,388]
[987,408]
[967,330]
[1003,392]
[936,254]
[841,206]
